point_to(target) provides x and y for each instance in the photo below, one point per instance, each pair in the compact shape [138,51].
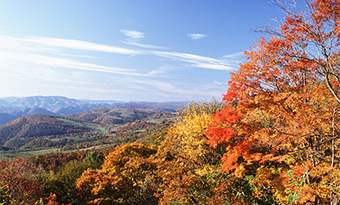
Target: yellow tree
[189,168]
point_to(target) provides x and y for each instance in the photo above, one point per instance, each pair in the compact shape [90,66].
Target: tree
[94,159]
[189,168]
[124,178]
[20,182]
[281,125]
[203,107]
[63,182]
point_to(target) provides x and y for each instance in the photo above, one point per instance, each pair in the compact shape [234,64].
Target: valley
[99,128]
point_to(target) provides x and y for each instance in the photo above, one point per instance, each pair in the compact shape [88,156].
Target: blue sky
[130,50]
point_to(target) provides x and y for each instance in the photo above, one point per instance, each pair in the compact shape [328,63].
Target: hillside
[5,117]
[24,129]
[87,129]
[107,116]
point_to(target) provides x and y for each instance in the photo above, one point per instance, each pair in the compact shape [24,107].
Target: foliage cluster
[281,125]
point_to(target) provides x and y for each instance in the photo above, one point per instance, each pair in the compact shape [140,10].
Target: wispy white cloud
[144,45]
[50,76]
[67,63]
[155,72]
[76,44]
[217,83]
[21,55]
[234,55]
[196,60]
[133,34]
[233,59]
[185,56]
[26,46]
[97,90]
[196,36]
[168,88]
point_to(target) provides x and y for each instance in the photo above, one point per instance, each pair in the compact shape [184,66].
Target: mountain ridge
[12,108]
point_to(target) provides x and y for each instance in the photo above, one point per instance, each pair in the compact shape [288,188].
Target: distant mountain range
[12,108]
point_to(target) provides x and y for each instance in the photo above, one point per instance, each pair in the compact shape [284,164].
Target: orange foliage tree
[126,177]
[281,125]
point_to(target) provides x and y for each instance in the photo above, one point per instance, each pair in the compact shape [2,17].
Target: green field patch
[160,120]
[25,153]
[103,130]
[86,124]
[71,121]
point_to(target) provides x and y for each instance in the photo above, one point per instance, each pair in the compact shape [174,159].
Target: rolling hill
[45,130]
[24,129]
[107,116]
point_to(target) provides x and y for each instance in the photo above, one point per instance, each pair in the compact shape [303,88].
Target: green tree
[63,182]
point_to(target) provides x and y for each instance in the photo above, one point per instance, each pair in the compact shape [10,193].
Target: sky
[130,50]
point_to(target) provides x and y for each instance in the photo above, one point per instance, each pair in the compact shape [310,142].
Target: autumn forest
[274,139]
